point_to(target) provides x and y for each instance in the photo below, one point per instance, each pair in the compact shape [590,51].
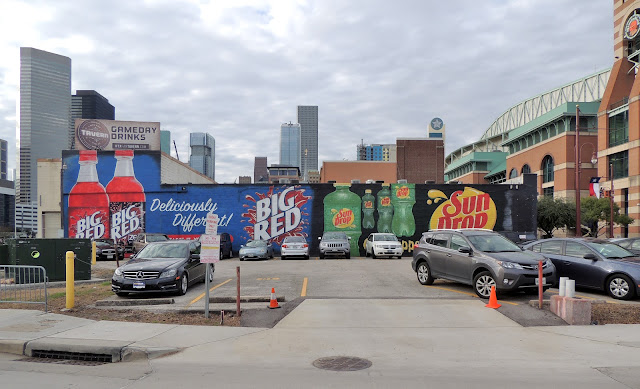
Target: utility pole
[611,202]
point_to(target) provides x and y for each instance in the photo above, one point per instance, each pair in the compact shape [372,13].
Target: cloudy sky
[378,70]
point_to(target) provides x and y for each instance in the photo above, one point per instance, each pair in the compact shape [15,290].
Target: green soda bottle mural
[385,209]
[403,196]
[368,207]
[342,213]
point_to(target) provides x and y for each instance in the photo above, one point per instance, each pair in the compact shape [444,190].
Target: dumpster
[51,254]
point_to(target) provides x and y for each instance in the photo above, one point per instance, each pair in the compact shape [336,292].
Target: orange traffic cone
[493,300]
[274,301]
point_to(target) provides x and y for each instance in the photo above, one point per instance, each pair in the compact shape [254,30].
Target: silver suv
[335,243]
[481,258]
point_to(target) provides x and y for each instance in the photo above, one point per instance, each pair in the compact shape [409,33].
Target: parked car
[162,267]
[481,258]
[226,250]
[106,249]
[593,263]
[334,243]
[256,249]
[293,246]
[379,244]
[631,244]
[143,238]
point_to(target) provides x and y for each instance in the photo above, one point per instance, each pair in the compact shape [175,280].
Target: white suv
[379,244]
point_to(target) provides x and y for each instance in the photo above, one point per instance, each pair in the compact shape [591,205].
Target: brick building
[420,160]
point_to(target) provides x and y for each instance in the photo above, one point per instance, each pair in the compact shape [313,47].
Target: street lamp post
[611,202]
[577,173]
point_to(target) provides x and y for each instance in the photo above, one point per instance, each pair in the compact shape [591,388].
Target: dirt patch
[612,313]
[86,295]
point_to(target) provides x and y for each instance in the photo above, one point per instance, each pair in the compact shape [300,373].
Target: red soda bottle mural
[88,201]
[126,200]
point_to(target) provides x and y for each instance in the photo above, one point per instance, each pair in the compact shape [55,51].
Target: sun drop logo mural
[343,218]
[470,208]
[274,216]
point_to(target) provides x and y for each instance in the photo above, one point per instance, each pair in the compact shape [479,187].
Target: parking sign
[210,248]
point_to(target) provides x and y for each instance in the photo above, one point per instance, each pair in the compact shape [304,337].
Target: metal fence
[23,284]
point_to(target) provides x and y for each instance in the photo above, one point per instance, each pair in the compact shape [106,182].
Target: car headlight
[169,273]
[509,265]
[118,272]
[98,251]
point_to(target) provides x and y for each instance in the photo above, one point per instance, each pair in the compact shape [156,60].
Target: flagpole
[577,172]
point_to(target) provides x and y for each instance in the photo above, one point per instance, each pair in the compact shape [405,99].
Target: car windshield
[257,243]
[335,236]
[169,250]
[610,250]
[156,238]
[492,243]
[386,238]
[295,239]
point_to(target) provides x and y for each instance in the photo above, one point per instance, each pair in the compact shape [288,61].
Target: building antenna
[176,147]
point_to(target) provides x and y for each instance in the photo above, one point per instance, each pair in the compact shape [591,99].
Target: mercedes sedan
[171,266]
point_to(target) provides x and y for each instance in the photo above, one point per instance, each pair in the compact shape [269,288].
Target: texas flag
[594,187]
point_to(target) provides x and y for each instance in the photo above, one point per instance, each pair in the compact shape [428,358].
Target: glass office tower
[308,119]
[203,153]
[45,127]
[290,144]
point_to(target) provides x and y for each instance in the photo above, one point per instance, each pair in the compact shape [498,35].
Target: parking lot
[355,278]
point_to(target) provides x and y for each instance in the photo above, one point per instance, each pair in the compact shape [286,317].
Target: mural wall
[116,195]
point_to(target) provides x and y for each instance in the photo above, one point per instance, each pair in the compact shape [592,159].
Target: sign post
[209,253]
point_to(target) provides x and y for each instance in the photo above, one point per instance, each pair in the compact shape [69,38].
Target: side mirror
[590,256]
[465,249]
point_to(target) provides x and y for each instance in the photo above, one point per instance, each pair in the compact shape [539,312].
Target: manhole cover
[342,363]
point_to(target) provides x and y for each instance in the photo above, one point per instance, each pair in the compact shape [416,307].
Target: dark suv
[481,258]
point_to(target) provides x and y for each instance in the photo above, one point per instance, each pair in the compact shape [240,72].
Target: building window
[513,173]
[547,169]
[619,129]
[620,162]
[526,169]
[547,192]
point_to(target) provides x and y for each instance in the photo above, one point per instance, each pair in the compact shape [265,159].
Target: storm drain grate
[342,363]
[71,357]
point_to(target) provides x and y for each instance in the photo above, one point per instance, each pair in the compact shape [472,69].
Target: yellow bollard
[93,252]
[70,279]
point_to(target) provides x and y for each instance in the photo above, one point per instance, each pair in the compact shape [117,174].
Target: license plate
[138,285]
[544,280]
[389,252]
[109,256]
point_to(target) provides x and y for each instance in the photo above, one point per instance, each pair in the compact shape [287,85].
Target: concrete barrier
[573,310]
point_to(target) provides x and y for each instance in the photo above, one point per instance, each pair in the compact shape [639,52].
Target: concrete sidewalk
[462,332]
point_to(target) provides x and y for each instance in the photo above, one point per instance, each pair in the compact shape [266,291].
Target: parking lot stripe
[465,293]
[202,295]
[304,287]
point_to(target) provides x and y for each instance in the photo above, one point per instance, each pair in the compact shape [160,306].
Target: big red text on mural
[276,215]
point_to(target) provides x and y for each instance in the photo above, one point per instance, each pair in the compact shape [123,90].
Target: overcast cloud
[378,70]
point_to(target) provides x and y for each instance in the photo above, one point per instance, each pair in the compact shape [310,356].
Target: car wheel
[306,257]
[283,257]
[347,255]
[620,287]
[184,284]
[424,274]
[321,255]
[242,259]
[213,270]
[373,254]
[482,284]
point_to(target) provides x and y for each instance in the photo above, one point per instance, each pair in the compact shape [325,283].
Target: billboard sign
[98,134]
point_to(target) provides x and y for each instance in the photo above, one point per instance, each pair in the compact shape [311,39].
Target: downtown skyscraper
[45,127]
[308,120]
[290,154]
[203,153]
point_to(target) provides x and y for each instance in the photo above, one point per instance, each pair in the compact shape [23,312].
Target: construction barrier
[22,284]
